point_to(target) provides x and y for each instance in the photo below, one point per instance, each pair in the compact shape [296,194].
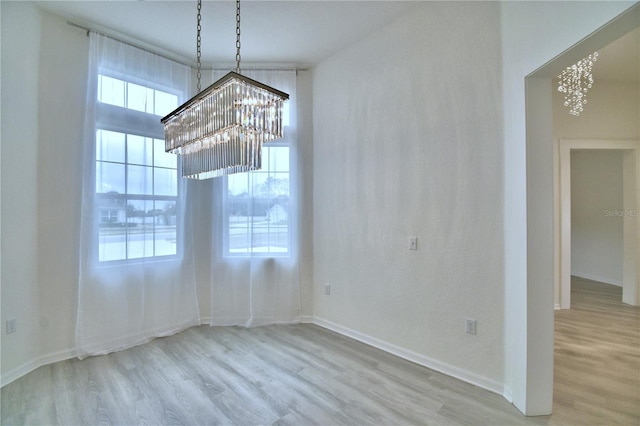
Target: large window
[257,206]
[136,180]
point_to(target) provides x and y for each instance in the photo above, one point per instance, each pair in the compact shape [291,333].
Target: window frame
[281,143]
[147,125]
[140,81]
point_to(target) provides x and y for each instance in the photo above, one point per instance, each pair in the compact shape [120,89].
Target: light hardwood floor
[597,358]
[303,374]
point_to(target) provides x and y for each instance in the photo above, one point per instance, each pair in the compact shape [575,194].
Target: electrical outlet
[327,290]
[413,243]
[11,325]
[470,326]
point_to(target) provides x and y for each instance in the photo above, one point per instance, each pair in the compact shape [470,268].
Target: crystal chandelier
[220,131]
[575,81]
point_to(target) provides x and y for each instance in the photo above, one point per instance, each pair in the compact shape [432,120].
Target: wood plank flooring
[297,375]
[597,358]
[304,374]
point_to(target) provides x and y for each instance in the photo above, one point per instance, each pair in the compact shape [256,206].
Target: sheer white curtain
[255,278]
[136,272]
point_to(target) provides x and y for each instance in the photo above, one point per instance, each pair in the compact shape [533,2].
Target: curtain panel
[136,269]
[254,270]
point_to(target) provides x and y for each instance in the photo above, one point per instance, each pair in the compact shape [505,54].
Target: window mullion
[126,191]
[251,211]
[153,192]
[126,95]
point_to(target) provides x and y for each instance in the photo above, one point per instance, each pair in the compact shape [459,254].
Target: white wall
[611,113]
[21,25]
[526,46]
[43,80]
[407,142]
[596,237]
[304,141]
[61,101]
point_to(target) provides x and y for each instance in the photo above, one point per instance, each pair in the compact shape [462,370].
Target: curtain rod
[128,43]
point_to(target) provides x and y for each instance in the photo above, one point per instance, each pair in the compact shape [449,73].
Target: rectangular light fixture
[221,130]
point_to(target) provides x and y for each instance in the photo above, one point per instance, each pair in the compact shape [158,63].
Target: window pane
[110,146]
[165,103]
[277,158]
[165,182]
[161,158]
[275,185]
[239,235]
[139,98]
[139,150]
[112,229]
[278,219]
[238,184]
[139,180]
[110,177]
[258,206]
[110,91]
[260,240]
[140,228]
[165,228]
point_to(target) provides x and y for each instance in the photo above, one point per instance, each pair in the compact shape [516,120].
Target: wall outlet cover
[11,326]
[470,326]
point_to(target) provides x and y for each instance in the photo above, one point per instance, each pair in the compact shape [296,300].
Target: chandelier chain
[198,46]
[238,36]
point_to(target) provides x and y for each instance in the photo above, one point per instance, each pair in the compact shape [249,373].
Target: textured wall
[62,97]
[20,69]
[407,142]
[612,112]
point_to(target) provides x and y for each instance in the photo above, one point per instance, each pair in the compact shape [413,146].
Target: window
[136,180]
[126,94]
[257,206]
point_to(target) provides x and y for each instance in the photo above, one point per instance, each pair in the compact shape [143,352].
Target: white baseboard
[556,306]
[29,366]
[63,355]
[450,370]
[306,319]
[597,278]
[507,394]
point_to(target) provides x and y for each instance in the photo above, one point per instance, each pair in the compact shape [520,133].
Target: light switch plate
[413,243]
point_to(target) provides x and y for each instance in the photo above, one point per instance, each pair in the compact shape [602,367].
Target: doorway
[631,165]
[542,206]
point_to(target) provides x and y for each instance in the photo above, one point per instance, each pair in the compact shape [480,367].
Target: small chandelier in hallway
[575,81]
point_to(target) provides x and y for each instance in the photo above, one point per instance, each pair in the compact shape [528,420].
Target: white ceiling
[298,33]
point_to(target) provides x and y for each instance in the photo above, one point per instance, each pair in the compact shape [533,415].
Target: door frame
[631,204]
